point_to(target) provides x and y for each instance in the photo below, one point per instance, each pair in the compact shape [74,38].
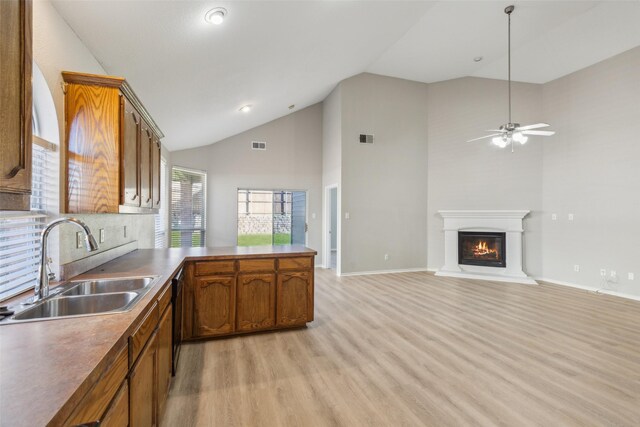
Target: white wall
[383,185]
[56,48]
[292,161]
[478,175]
[591,169]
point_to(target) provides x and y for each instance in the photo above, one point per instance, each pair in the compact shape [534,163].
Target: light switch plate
[102,235]
[79,240]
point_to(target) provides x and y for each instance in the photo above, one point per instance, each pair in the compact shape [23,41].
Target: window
[20,231]
[271,217]
[161,219]
[188,204]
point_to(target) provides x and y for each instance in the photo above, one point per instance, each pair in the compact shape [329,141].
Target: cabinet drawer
[164,300]
[297,263]
[215,267]
[255,265]
[140,336]
[94,403]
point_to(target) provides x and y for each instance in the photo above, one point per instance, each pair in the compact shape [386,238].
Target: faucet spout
[41,289]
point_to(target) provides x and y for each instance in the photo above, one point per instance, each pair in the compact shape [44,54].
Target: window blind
[20,232]
[188,205]
[161,219]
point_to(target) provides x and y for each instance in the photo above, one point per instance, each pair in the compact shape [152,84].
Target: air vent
[366,139]
[258,145]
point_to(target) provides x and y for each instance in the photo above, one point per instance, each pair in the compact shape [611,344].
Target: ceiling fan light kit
[510,133]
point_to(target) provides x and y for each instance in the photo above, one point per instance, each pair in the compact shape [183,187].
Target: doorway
[332,236]
[272,217]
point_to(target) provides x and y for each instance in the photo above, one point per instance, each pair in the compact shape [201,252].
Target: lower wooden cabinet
[294,298]
[164,360]
[143,386]
[214,305]
[227,297]
[256,302]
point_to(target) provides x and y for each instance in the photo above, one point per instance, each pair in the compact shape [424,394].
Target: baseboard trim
[590,288]
[400,270]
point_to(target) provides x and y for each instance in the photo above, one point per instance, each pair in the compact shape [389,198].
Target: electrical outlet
[631,276]
[576,268]
[386,257]
[79,239]
[613,276]
[554,217]
[570,217]
[346,215]
[603,272]
[101,233]
[313,216]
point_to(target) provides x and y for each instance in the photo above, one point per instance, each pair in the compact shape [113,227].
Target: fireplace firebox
[482,248]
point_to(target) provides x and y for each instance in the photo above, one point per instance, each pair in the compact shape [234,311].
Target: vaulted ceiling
[193,76]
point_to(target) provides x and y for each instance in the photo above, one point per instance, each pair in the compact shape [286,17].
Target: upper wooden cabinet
[111,146]
[15,104]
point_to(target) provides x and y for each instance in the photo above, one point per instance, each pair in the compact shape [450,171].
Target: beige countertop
[46,367]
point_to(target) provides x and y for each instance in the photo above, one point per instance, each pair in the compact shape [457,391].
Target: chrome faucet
[42,285]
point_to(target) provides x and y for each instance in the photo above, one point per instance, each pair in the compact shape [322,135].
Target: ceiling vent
[366,139]
[258,145]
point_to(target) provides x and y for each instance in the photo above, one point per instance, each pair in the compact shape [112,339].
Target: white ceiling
[193,77]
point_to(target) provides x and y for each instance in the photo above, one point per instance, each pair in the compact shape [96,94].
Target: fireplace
[481,248]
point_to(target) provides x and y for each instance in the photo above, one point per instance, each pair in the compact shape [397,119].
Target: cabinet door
[143,386]
[164,360]
[155,172]
[294,298]
[215,305]
[118,413]
[256,301]
[130,157]
[15,105]
[146,142]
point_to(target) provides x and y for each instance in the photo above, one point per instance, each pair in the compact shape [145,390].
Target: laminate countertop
[46,367]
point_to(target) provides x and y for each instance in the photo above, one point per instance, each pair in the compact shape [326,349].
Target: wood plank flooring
[414,349]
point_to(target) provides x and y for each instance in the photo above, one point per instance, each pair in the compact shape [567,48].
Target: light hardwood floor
[418,350]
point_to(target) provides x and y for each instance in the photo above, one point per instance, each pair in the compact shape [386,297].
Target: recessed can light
[477,59]
[216,15]
[245,108]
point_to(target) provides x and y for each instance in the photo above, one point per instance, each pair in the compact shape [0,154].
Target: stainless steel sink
[78,306]
[105,286]
[86,298]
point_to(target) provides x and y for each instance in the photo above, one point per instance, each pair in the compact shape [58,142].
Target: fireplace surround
[486,266]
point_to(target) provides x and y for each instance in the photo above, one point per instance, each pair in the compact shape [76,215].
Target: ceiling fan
[511,132]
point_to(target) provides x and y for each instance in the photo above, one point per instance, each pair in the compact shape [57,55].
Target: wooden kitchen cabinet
[143,388]
[256,305]
[295,298]
[214,305]
[111,144]
[15,104]
[165,351]
[118,413]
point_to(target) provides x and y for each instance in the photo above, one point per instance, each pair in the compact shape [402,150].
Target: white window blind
[20,232]
[161,219]
[188,203]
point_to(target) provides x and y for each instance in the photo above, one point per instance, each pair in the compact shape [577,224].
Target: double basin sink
[89,297]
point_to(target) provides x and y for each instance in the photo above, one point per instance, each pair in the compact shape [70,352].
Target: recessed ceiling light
[245,108]
[216,15]
[477,58]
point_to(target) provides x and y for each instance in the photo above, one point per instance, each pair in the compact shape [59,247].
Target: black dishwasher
[176,303]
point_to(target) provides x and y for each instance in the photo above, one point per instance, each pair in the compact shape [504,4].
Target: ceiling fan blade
[539,132]
[486,136]
[536,126]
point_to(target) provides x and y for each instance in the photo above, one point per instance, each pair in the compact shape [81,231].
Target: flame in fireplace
[482,249]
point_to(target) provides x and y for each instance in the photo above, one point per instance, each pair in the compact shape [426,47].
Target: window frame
[203,229]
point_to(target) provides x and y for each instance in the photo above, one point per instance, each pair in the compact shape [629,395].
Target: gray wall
[591,169]
[56,48]
[292,161]
[383,184]
[478,175]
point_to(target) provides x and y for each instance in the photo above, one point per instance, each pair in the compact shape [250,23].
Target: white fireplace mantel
[507,221]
